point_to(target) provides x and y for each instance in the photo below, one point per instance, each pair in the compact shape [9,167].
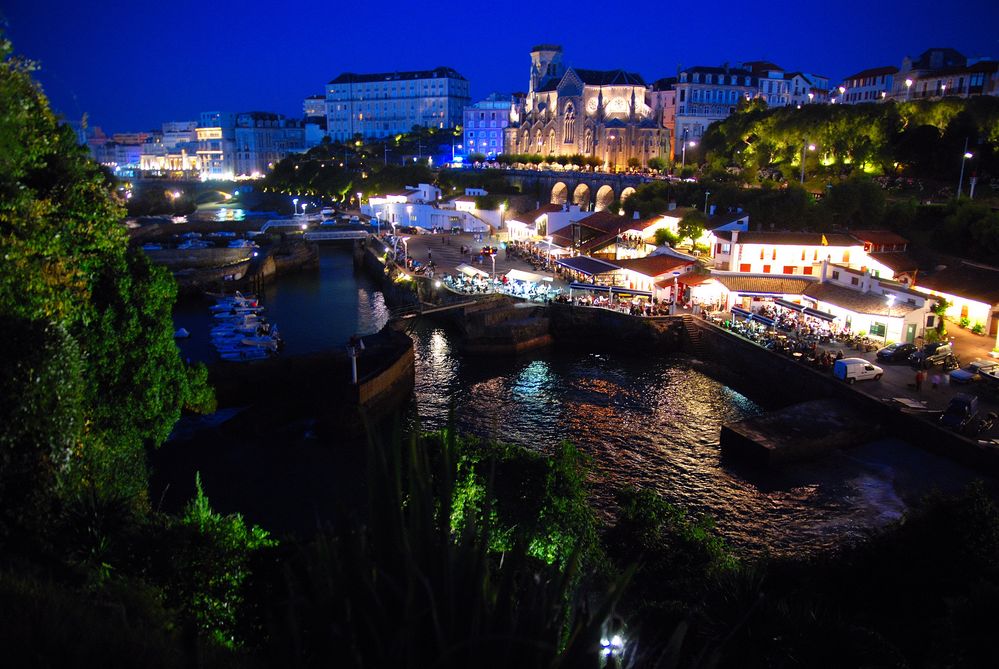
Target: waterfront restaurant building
[972,289]
[391,103]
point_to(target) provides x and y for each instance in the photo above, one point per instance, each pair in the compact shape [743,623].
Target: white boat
[269,343]
[152,246]
[245,355]
[193,244]
[181,333]
[241,244]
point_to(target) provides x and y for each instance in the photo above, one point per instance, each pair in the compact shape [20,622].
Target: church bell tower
[546,64]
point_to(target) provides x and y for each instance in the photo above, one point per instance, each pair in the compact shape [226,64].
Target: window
[745,267]
[788,269]
[931,320]
[807,269]
[569,126]
[835,274]
[878,329]
[766,269]
[854,281]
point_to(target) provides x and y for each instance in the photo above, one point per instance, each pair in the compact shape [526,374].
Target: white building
[871,85]
[262,139]
[421,206]
[972,289]
[386,104]
[216,145]
[484,123]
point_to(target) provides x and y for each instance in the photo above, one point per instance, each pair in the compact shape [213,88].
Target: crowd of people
[479,285]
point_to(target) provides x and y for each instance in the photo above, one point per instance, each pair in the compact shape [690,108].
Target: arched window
[551,141]
[569,128]
[588,142]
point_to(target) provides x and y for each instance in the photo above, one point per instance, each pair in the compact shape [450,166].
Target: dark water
[655,423]
[648,422]
[315,310]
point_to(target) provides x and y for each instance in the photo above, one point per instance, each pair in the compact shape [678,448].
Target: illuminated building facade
[382,105]
[484,124]
[216,145]
[606,114]
[262,139]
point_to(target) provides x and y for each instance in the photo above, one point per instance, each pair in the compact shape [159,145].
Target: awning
[763,319]
[587,265]
[617,290]
[789,305]
[470,271]
[819,314]
[520,275]
[739,311]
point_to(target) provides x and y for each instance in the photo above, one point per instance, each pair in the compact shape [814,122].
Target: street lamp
[891,301]
[943,90]
[810,147]
[359,201]
[960,182]
[908,88]
[294,202]
[842,93]
[405,248]
[706,194]
[493,256]
[409,213]
[811,96]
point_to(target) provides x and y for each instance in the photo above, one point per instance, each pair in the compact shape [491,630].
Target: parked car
[856,369]
[932,354]
[970,372]
[898,352]
[961,412]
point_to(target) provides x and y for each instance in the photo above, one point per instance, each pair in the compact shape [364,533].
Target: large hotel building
[381,105]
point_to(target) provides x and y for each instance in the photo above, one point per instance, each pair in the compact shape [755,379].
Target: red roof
[532,216]
[606,221]
[653,265]
[879,236]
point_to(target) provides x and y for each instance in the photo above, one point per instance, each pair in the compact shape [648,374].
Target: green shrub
[978,328]
[964,322]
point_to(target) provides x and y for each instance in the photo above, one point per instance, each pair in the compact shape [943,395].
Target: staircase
[693,334]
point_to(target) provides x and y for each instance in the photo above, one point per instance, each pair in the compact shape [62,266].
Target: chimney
[824,274]
[865,282]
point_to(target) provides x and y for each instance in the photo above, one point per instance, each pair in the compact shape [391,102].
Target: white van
[856,369]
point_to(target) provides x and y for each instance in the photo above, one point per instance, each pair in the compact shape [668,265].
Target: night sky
[133,65]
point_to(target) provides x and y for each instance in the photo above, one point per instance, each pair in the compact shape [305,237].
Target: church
[604,114]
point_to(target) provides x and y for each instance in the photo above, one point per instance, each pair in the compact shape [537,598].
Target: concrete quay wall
[780,380]
[604,328]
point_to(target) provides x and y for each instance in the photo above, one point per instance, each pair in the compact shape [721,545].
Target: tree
[692,225]
[67,263]
[657,164]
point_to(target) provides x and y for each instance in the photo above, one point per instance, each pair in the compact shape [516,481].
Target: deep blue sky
[133,65]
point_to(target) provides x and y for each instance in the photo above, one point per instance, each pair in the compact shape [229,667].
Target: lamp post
[891,301]
[943,90]
[493,256]
[842,93]
[304,205]
[405,249]
[358,201]
[809,147]
[908,88]
[706,194]
[960,182]
[294,203]
[502,215]
[409,214]
[811,96]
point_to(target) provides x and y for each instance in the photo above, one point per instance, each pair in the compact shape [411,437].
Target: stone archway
[605,196]
[560,193]
[581,196]
[626,193]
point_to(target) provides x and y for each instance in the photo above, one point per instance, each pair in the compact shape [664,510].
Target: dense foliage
[68,267]
[914,139]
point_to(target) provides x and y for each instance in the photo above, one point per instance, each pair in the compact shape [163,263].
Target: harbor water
[643,421]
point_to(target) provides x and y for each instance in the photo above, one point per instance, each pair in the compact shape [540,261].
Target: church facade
[607,114]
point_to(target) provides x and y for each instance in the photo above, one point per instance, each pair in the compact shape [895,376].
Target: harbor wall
[605,328]
[757,372]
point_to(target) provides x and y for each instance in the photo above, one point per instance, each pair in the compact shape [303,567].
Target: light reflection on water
[655,423]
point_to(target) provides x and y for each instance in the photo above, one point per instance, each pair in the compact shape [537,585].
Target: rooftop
[609,77]
[436,73]
[874,304]
[792,238]
[879,236]
[769,284]
[653,265]
[587,265]
[873,72]
[966,279]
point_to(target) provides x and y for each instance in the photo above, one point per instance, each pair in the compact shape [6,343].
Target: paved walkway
[445,251]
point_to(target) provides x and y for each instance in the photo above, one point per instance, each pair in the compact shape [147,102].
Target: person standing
[920,375]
